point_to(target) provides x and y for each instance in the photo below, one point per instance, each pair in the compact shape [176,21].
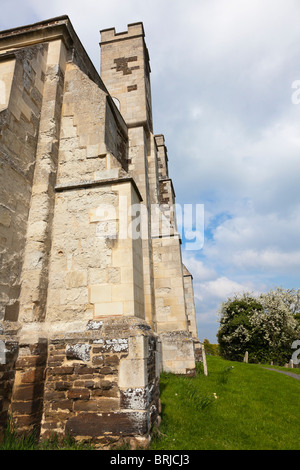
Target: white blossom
[269,319]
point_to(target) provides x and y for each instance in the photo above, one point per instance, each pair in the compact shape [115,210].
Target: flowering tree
[265,326]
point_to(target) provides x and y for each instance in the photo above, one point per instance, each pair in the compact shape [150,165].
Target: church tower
[125,70]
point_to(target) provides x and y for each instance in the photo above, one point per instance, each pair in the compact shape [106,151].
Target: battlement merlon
[160,142]
[134,30]
[125,70]
[162,155]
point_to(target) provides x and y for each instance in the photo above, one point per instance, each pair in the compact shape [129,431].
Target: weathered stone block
[78,394]
[62,405]
[92,425]
[63,386]
[98,404]
[28,392]
[61,371]
[78,352]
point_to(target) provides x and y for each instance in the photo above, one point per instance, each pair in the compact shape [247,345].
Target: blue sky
[222,77]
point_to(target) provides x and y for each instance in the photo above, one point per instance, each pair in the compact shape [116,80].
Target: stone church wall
[95,301]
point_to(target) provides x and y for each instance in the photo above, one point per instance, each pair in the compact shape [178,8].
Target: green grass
[237,406]
[14,441]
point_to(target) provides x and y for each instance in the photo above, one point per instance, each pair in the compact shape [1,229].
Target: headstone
[204,359]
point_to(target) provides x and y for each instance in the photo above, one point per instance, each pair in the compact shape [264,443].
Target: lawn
[237,406]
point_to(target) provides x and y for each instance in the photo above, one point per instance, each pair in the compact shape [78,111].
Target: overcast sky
[222,79]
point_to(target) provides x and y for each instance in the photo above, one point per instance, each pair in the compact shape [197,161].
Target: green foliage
[211,349]
[224,375]
[63,443]
[13,440]
[235,326]
[265,326]
[194,396]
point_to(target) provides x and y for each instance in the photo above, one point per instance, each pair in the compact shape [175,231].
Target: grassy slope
[254,409]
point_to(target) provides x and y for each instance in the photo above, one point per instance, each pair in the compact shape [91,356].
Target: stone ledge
[102,182]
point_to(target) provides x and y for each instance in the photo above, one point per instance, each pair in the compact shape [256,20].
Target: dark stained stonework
[122,65]
[119,424]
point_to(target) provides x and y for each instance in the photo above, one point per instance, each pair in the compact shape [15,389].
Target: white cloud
[199,271]
[208,298]
[219,289]
[268,259]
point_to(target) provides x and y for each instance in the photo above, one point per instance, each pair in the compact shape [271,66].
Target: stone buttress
[125,70]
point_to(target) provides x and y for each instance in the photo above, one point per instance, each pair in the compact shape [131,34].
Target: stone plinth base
[198,349]
[99,385]
[178,354]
